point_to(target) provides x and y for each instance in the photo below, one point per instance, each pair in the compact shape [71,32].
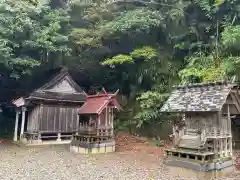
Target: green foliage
[134,21]
[145,52]
[30,31]
[119,59]
[149,46]
[86,37]
[231,36]
[150,104]
[202,68]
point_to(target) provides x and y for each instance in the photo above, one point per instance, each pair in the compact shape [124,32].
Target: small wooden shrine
[95,129]
[203,132]
[49,112]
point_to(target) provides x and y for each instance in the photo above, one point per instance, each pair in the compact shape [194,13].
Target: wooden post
[16,126]
[39,137]
[112,117]
[99,120]
[98,124]
[221,147]
[230,144]
[106,117]
[174,135]
[78,120]
[226,149]
[59,137]
[220,120]
[23,121]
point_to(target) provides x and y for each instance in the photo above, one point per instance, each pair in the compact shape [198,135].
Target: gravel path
[57,163]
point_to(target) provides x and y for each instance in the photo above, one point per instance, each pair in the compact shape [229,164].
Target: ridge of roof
[206,84]
[104,94]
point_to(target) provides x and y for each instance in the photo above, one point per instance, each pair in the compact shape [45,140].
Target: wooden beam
[236,93]
[236,103]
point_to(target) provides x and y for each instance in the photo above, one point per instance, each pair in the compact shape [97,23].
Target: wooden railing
[99,136]
[96,131]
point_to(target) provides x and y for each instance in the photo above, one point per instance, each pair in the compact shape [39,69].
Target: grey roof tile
[197,97]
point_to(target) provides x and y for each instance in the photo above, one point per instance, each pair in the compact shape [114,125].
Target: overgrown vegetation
[140,47]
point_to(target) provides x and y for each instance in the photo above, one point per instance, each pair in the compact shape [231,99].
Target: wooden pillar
[215,148]
[23,121]
[16,125]
[230,145]
[112,118]
[99,120]
[98,124]
[221,125]
[221,147]
[106,117]
[174,135]
[78,120]
[39,137]
[59,137]
[225,146]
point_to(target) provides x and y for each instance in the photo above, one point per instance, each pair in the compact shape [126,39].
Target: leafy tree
[31,34]
[141,47]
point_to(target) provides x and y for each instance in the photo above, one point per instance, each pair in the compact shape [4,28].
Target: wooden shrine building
[203,132]
[95,130]
[50,111]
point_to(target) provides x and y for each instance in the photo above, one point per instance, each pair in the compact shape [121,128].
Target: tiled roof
[96,103]
[197,97]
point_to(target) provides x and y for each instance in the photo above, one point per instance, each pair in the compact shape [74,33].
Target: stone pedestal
[92,148]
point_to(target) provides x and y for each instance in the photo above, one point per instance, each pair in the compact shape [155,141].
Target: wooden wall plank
[72,111]
[62,122]
[57,118]
[40,118]
[44,119]
[47,109]
[53,118]
[51,114]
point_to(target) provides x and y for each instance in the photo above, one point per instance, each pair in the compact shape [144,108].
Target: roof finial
[233,79]
[85,93]
[104,90]
[116,92]
[64,69]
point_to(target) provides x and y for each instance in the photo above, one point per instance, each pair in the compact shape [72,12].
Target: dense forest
[141,47]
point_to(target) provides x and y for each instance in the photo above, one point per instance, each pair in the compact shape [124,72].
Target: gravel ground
[57,163]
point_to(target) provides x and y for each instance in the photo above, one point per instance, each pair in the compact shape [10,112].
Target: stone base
[44,142]
[99,148]
[201,175]
[198,166]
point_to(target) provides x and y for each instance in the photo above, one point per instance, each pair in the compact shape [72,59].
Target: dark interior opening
[183,155]
[191,157]
[84,119]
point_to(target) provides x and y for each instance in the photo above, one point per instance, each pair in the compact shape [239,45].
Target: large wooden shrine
[202,132]
[95,131]
[50,112]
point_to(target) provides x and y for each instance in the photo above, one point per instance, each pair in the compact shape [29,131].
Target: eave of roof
[55,96]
